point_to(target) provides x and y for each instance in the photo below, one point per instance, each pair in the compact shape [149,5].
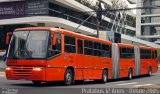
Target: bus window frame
[77,46]
[145,54]
[95,48]
[49,43]
[154,54]
[109,51]
[131,53]
[70,44]
[88,48]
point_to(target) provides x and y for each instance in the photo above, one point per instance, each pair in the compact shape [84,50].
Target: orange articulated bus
[43,54]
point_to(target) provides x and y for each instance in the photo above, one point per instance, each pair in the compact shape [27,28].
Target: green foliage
[159,53]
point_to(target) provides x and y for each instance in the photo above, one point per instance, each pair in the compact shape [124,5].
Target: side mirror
[54,39]
[8,37]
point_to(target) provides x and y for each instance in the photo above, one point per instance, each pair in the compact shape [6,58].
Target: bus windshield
[28,44]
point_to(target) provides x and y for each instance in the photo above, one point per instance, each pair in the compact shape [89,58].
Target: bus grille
[22,71]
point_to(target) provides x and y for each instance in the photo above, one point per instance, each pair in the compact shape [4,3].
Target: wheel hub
[104,77]
[68,76]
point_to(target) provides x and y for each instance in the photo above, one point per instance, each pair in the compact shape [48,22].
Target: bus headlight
[8,68]
[37,69]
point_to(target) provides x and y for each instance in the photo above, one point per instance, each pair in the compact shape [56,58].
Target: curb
[2,73]
[2,69]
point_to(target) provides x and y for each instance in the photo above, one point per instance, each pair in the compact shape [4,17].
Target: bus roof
[35,28]
[125,45]
[145,47]
[81,36]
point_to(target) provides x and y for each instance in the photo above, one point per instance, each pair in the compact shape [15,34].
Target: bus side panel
[145,64]
[55,74]
[56,67]
[98,65]
[88,67]
[79,67]
[154,65]
[125,64]
[142,66]
[108,64]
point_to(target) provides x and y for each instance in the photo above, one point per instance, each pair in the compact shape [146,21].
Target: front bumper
[25,73]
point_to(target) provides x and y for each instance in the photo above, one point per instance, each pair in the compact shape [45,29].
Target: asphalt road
[26,87]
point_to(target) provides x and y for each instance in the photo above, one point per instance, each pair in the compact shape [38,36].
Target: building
[67,14]
[148,21]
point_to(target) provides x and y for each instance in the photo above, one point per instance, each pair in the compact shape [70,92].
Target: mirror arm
[9,34]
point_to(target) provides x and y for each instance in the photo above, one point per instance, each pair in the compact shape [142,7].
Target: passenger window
[70,44]
[55,49]
[88,47]
[126,53]
[145,54]
[106,50]
[154,54]
[80,47]
[97,49]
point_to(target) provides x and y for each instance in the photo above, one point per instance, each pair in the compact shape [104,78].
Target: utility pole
[99,16]
[97,28]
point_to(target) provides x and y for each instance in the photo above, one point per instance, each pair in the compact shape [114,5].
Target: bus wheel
[104,76]
[130,74]
[149,71]
[37,83]
[68,78]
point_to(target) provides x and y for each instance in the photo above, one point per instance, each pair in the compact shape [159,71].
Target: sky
[132,6]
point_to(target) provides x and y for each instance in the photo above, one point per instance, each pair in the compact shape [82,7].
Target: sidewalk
[2,74]
[2,66]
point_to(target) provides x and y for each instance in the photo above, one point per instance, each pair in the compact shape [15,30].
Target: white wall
[138,18]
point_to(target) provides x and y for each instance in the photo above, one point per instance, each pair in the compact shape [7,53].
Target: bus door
[80,60]
[88,60]
[127,60]
[145,60]
[154,64]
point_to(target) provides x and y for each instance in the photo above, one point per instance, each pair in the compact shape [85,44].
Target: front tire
[104,76]
[150,71]
[68,77]
[130,74]
[36,83]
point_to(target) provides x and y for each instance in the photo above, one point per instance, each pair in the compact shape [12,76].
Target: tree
[119,4]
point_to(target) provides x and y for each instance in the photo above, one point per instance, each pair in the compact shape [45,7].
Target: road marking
[2,74]
[142,85]
[128,83]
[117,82]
